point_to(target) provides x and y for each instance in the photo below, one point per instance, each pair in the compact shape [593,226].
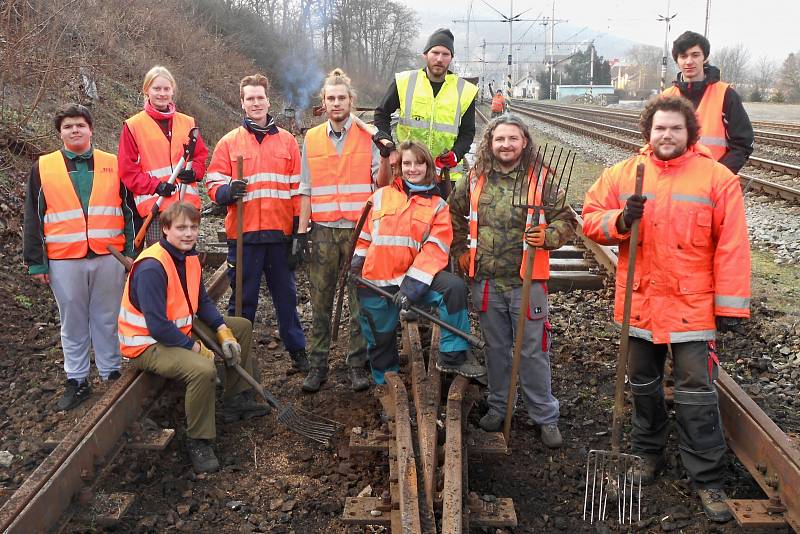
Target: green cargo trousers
[329,248]
[199,373]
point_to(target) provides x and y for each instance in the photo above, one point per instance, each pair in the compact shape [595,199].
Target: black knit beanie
[441,37]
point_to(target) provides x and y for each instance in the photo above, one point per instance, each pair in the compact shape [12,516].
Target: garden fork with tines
[612,473]
[542,186]
[305,423]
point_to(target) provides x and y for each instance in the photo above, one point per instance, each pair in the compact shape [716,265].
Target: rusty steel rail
[454,518]
[763,448]
[47,493]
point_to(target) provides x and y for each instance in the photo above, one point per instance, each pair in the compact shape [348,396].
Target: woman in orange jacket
[404,247]
[150,146]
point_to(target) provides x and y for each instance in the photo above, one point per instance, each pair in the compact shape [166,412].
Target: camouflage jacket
[501,228]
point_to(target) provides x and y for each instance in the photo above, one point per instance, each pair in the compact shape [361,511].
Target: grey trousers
[88,293]
[498,313]
[702,443]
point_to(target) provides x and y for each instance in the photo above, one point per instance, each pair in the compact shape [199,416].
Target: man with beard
[437,108]
[271,204]
[692,280]
[489,237]
[724,125]
[341,167]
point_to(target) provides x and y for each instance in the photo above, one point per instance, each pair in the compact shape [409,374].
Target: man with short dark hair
[692,279]
[75,209]
[271,204]
[437,108]
[724,125]
[163,294]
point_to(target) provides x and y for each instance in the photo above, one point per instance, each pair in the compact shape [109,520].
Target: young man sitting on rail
[163,294]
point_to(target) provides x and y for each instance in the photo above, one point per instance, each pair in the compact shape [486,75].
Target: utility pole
[708,16]
[511,18]
[591,67]
[666,19]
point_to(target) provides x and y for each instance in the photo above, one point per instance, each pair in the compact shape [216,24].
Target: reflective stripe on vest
[709,115]
[134,337]
[68,232]
[434,121]
[541,258]
[340,184]
[158,155]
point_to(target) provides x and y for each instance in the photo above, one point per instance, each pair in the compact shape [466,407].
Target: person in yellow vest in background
[150,146]
[163,303]
[75,209]
[491,239]
[340,168]
[437,108]
[725,128]
[498,104]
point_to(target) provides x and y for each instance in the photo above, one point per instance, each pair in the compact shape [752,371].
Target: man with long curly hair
[490,250]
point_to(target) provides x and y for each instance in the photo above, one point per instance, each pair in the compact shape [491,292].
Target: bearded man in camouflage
[490,251]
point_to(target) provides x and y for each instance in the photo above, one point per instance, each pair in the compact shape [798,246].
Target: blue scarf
[414,188]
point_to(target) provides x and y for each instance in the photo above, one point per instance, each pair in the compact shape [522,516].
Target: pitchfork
[615,473]
[307,424]
[542,187]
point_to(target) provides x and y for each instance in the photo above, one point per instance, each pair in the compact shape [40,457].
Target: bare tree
[789,78]
[732,62]
[763,73]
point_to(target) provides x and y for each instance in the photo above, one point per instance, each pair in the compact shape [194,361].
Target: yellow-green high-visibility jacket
[431,120]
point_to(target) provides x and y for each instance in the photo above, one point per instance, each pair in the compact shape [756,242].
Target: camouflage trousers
[329,246]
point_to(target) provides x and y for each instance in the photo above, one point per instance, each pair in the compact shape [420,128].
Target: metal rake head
[309,425]
[617,476]
[549,173]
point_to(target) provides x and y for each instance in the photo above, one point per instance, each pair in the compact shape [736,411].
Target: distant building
[575,91]
[526,87]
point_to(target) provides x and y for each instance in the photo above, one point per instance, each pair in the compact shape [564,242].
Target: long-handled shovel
[615,473]
[544,187]
[472,340]
[188,152]
[237,303]
[309,425]
[341,282]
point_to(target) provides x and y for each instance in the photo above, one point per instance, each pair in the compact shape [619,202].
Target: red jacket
[693,261]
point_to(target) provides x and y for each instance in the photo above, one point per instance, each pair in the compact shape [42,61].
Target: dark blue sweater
[148,294]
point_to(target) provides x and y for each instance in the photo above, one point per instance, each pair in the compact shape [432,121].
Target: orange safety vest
[404,237]
[340,185]
[498,102]
[158,156]
[272,171]
[709,115]
[68,232]
[693,259]
[541,258]
[134,337]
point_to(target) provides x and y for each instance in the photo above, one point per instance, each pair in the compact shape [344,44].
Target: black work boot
[314,379]
[74,394]
[491,421]
[202,455]
[713,500]
[299,362]
[359,379]
[652,466]
[469,366]
[243,406]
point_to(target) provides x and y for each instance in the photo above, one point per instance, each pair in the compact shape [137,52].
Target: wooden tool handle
[237,306]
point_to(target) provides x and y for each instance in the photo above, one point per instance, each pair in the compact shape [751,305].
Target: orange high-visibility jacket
[68,232]
[693,260]
[498,102]
[541,258]
[404,237]
[340,185]
[134,337]
[159,155]
[709,115]
[272,171]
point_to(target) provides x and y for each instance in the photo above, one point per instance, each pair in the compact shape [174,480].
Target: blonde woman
[151,145]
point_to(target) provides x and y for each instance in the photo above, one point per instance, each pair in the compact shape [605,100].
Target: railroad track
[789,138]
[622,137]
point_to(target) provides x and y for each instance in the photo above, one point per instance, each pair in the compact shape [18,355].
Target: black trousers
[702,443]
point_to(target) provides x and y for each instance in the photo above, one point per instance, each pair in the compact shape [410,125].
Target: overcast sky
[765,27]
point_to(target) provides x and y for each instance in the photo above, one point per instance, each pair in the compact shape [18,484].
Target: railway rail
[786,139]
[621,137]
